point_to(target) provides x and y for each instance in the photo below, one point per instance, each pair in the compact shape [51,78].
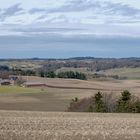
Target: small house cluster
[9,81]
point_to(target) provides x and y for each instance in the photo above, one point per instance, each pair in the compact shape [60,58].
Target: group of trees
[5,72]
[96,75]
[67,74]
[71,74]
[49,74]
[4,68]
[126,103]
[91,63]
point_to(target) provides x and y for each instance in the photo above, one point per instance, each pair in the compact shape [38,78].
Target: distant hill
[71,58]
[87,65]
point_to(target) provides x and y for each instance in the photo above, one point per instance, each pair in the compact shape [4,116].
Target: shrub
[71,74]
[90,109]
[100,102]
[92,104]
[124,103]
[75,99]
[136,107]
[19,81]
[110,101]
[50,74]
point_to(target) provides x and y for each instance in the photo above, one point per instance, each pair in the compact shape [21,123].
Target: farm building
[13,77]
[8,81]
[5,82]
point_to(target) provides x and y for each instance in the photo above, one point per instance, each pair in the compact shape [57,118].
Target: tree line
[67,74]
[104,103]
[5,71]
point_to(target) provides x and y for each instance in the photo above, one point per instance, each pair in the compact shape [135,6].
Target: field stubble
[16,125]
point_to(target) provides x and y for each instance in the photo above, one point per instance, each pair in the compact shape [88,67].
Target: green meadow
[16,89]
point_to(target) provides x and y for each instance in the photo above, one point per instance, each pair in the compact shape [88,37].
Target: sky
[69,28]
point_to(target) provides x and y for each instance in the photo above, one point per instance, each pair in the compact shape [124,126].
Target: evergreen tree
[99,104]
[124,103]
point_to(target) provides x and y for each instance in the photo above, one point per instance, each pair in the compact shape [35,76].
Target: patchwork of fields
[60,125]
[57,95]
[17,89]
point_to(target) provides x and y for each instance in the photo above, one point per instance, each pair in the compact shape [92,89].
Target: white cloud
[112,17]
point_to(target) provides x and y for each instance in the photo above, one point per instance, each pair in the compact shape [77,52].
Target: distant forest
[48,67]
[92,63]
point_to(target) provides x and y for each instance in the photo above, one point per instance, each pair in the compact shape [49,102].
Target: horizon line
[82,57]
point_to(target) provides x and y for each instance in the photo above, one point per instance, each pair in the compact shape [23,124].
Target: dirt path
[83,88]
[70,87]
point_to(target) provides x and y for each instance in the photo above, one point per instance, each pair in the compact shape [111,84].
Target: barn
[5,82]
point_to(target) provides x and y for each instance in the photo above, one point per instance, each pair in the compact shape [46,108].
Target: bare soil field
[108,85]
[16,125]
[58,97]
[52,99]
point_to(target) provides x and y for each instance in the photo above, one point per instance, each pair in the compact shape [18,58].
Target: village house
[13,79]
[9,81]
[4,82]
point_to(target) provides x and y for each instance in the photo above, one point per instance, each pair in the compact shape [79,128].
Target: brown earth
[17,125]
[58,97]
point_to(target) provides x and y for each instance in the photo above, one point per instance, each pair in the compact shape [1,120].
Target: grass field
[58,99]
[58,125]
[17,89]
[49,100]
[130,73]
[68,126]
[21,64]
